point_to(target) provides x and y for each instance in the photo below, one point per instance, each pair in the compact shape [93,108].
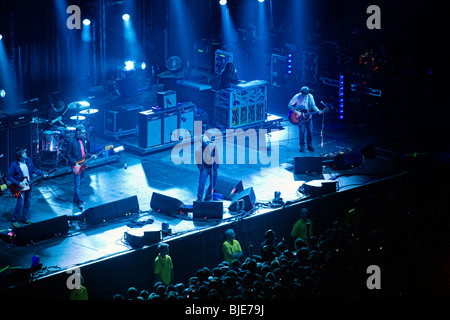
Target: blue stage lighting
[86,22]
[2,93]
[341,97]
[222,2]
[261,1]
[1,37]
[126,17]
[143,65]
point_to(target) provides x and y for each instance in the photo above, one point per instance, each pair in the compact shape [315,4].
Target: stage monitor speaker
[228,187]
[165,204]
[126,206]
[207,210]
[348,160]
[303,165]
[101,213]
[134,241]
[244,201]
[41,230]
[151,237]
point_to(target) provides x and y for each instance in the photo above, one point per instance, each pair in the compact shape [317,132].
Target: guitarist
[20,173]
[303,102]
[77,150]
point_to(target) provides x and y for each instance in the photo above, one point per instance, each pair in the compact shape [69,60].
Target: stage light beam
[223,2]
[86,22]
[126,17]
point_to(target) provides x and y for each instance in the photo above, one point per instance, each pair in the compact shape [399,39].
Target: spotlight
[2,93]
[261,1]
[126,17]
[222,2]
[143,65]
[86,22]
[1,37]
[129,65]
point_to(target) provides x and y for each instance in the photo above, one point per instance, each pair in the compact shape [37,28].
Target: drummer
[57,114]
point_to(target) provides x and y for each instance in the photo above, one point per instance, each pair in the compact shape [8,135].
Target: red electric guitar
[16,190]
[83,163]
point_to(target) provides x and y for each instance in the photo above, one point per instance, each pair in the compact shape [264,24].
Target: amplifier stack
[156,126]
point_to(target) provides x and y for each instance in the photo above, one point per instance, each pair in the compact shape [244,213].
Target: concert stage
[130,174]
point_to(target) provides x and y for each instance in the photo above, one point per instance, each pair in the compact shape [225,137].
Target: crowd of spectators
[332,265]
[410,244]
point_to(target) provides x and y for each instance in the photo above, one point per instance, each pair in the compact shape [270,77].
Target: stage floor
[133,174]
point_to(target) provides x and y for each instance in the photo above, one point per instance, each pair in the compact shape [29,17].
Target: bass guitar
[16,190]
[301,115]
[83,163]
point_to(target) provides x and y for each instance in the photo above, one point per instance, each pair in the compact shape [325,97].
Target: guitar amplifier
[170,123]
[150,128]
[167,99]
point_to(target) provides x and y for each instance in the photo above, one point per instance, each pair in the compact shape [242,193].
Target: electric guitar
[83,163]
[301,115]
[16,190]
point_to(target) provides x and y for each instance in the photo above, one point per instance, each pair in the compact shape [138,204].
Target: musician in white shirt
[20,174]
[303,102]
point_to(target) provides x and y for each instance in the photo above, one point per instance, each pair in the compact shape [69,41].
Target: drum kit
[52,139]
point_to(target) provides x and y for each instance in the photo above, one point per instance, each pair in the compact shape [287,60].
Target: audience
[331,265]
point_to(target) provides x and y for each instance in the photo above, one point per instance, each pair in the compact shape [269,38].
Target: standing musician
[21,174]
[207,168]
[77,151]
[228,77]
[304,102]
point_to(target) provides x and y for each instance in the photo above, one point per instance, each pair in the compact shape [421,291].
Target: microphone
[323,103]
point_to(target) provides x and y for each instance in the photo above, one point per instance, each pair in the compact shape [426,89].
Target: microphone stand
[323,125]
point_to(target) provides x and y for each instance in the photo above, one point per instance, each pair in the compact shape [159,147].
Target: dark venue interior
[144,81]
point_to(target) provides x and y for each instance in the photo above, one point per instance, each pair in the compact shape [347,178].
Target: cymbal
[81,118]
[78,105]
[89,111]
[39,120]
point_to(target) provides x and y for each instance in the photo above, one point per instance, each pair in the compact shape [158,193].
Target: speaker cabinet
[165,204]
[101,213]
[170,124]
[228,187]
[126,206]
[166,99]
[111,210]
[4,151]
[150,129]
[348,160]
[304,165]
[244,201]
[207,210]
[20,136]
[41,230]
